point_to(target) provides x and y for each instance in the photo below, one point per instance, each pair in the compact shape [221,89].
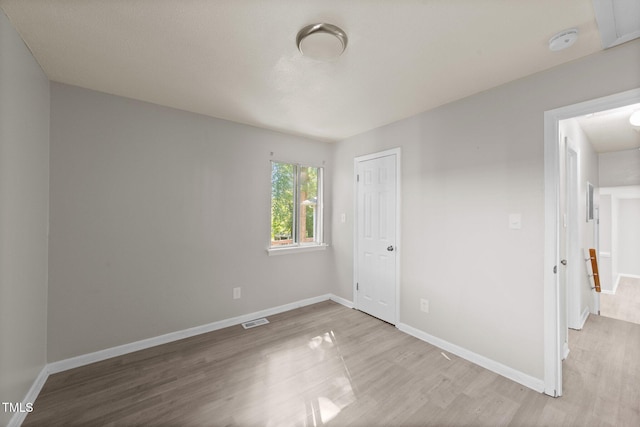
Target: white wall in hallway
[619,233]
[606,244]
[629,236]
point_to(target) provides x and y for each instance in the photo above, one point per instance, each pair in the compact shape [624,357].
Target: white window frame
[296,246]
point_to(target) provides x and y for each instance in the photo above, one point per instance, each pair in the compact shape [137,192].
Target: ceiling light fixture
[635,118]
[321,41]
[563,39]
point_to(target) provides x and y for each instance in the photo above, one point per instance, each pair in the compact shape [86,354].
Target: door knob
[390,248]
[563,262]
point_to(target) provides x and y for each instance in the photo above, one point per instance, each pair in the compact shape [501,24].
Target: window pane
[282,202]
[308,205]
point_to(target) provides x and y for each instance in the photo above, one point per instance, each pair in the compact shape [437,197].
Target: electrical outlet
[424,305]
[237,293]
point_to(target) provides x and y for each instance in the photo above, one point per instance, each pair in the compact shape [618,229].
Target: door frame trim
[552,349]
[574,297]
[391,152]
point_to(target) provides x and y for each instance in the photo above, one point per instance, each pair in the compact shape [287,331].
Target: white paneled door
[376,236]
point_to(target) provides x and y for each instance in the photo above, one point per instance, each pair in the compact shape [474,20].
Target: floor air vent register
[253,323]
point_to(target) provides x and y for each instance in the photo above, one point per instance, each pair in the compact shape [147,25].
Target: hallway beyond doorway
[625,303]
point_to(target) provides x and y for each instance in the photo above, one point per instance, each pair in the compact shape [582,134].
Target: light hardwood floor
[327,364]
[625,304]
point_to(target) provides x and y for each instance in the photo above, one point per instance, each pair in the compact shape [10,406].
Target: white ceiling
[610,130]
[237,59]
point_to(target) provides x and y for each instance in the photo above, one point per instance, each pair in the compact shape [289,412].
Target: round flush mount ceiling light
[563,39]
[321,41]
[634,120]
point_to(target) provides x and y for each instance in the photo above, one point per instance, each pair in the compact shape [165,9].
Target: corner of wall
[24,221]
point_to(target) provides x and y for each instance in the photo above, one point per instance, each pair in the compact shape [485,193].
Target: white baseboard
[615,286]
[97,356]
[32,394]
[584,317]
[85,359]
[526,380]
[565,351]
[340,300]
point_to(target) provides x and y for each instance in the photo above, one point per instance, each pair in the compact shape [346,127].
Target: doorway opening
[556,296]
[620,252]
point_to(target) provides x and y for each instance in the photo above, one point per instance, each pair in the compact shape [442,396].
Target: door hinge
[358,178]
[357,286]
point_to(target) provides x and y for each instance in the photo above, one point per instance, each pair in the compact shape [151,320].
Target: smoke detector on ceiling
[563,39]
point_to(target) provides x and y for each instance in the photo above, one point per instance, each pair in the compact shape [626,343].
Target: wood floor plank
[329,365]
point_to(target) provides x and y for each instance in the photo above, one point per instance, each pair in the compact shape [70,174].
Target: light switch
[515,221]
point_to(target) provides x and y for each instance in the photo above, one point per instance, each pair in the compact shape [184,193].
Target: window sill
[296,249]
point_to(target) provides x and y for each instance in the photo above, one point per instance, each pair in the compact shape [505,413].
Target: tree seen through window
[295,204]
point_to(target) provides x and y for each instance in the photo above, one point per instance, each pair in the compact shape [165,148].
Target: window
[296,205]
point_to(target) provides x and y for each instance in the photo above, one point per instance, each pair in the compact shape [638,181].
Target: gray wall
[24,210]
[466,166]
[156,214]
